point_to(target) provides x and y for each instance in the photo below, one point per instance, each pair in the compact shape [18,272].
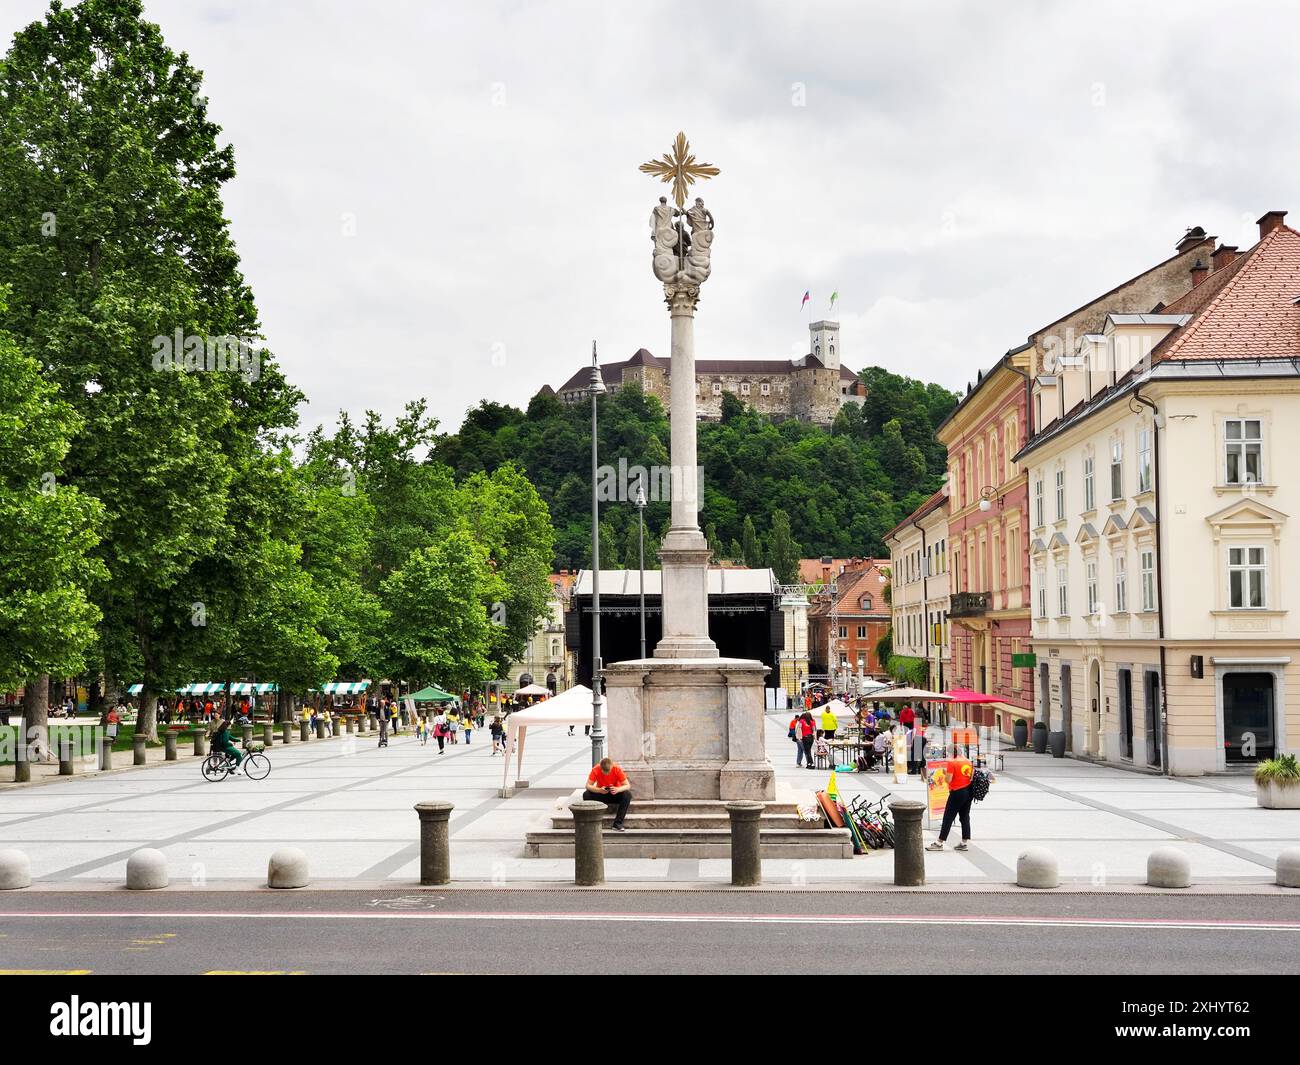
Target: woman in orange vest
[957,772]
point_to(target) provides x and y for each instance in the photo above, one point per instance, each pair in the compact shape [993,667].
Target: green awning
[345,687]
[433,694]
[244,688]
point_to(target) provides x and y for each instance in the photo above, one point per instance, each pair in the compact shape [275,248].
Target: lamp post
[640,536]
[596,389]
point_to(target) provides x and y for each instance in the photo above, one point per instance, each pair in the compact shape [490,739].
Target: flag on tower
[834,296]
[806,297]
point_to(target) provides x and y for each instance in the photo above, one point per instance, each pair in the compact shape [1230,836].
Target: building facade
[1162,591]
[547,656]
[811,388]
[846,620]
[919,588]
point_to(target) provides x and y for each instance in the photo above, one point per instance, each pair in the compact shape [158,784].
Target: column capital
[682,298]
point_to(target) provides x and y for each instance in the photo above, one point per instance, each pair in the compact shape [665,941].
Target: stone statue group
[681,256]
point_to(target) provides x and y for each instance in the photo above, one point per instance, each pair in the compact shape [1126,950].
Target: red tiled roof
[1251,314]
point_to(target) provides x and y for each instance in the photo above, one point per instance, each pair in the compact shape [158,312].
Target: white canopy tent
[571,707]
[532,689]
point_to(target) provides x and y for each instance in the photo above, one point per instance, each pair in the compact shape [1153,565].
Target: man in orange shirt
[608,784]
[957,772]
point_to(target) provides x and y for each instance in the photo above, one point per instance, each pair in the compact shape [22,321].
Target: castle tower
[825,343]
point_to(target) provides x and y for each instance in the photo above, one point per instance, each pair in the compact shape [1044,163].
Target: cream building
[919,587]
[1166,610]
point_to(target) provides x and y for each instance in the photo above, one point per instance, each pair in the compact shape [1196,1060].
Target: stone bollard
[746,847]
[1036,868]
[1168,867]
[268,734]
[105,753]
[287,869]
[146,870]
[588,844]
[320,729]
[304,730]
[286,732]
[435,844]
[248,734]
[352,724]
[1288,868]
[22,764]
[15,870]
[67,763]
[169,746]
[200,742]
[909,849]
[138,747]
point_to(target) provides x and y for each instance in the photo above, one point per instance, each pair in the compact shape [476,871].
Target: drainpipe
[1160,586]
[1029,433]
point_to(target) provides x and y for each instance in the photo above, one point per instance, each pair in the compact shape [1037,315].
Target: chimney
[1194,236]
[1198,271]
[1269,221]
[1223,255]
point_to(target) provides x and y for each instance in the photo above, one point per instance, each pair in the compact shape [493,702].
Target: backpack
[979,784]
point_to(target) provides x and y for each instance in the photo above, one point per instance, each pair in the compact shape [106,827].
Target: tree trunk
[146,720]
[36,717]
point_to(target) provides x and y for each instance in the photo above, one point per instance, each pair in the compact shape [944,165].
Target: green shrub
[1283,769]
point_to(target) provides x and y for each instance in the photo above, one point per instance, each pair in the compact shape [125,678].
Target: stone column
[268,733]
[200,742]
[169,746]
[684,552]
[105,753]
[286,731]
[67,763]
[304,730]
[435,846]
[248,733]
[138,742]
[746,860]
[909,855]
[320,729]
[22,756]
[588,846]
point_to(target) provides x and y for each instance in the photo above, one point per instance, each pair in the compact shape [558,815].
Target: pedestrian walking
[498,734]
[807,734]
[957,773]
[440,731]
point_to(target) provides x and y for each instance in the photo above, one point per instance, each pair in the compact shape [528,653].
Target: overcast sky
[442,199]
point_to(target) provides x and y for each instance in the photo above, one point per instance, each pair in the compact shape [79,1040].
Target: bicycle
[218,765]
[872,819]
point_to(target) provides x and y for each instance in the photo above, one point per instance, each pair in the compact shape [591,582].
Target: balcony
[968,605]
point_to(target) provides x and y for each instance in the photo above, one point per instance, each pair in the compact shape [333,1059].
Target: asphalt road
[696,931]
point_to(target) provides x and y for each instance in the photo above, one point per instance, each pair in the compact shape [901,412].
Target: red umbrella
[965,695]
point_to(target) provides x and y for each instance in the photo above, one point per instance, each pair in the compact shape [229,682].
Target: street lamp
[596,389]
[987,495]
[640,536]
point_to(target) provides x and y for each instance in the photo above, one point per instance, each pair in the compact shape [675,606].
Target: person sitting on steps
[608,783]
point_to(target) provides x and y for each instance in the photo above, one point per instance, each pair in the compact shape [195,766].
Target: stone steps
[656,820]
[694,843]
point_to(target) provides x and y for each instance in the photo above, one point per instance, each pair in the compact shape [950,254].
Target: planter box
[1275,796]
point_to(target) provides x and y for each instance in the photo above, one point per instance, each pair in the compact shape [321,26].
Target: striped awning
[135,689]
[345,687]
[243,688]
[210,688]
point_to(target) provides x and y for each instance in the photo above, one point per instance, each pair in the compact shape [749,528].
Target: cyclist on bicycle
[222,742]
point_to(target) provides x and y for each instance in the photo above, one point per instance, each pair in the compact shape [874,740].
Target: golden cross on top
[680,168]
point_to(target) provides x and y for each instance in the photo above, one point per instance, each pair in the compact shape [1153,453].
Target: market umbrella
[432,694]
[907,695]
[967,697]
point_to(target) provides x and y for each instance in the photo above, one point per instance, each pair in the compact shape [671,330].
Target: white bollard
[146,870]
[15,870]
[287,869]
[1288,867]
[1037,868]
[1168,867]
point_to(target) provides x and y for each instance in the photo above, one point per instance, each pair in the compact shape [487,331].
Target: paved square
[348,804]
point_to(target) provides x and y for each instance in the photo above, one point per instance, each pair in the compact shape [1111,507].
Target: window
[1040,579]
[1089,489]
[765,389]
[1038,503]
[866,602]
[1246,587]
[1090,578]
[1121,584]
[1116,470]
[862,632]
[717,388]
[1060,495]
[1147,568]
[744,388]
[844,632]
[1242,444]
[1144,460]
[1062,592]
